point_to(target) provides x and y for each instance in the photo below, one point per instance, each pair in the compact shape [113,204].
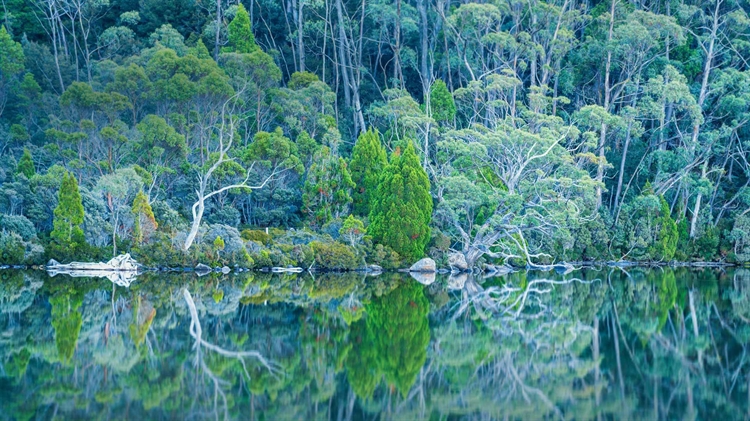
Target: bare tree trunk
[607,89]
[300,35]
[710,52]
[342,54]
[218,31]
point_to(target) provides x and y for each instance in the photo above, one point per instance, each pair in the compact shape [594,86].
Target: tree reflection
[608,344]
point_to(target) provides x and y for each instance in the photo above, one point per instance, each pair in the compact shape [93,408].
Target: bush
[12,249]
[18,224]
[262,259]
[335,256]
[257,236]
[233,251]
[381,255]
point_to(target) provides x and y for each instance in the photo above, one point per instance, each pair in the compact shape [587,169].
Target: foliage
[335,256]
[327,193]
[67,235]
[402,209]
[145,221]
[26,165]
[368,161]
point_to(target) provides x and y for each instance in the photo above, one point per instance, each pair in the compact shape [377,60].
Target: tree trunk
[300,35]
[607,89]
[218,31]
[701,100]
[197,217]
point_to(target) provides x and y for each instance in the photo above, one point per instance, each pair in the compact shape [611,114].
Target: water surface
[593,344]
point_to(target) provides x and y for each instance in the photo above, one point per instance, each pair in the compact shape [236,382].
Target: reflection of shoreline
[121,278]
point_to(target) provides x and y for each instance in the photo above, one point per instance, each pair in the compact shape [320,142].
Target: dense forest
[335,133]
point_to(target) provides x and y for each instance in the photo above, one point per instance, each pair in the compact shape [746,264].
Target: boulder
[225,270]
[200,267]
[457,261]
[425,265]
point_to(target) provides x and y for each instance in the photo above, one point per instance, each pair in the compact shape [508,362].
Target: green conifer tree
[26,165]
[241,38]
[401,212]
[368,161]
[441,103]
[145,222]
[67,235]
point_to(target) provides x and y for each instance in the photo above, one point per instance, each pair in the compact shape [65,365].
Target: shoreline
[564,267]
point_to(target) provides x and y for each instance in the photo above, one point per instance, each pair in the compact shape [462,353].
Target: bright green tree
[368,160]
[67,235]
[144,222]
[441,103]
[240,30]
[11,65]
[401,212]
[26,165]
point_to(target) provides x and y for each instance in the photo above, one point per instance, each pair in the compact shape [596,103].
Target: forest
[339,133]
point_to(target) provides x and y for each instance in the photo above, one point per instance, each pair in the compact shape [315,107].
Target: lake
[633,343]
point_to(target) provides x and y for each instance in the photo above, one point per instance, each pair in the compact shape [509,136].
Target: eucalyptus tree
[509,192]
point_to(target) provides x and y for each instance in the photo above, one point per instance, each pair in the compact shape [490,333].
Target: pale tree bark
[225,133]
[710,52]
[217,38]
[300,35]
[607,93]
[350,58]
[52,15]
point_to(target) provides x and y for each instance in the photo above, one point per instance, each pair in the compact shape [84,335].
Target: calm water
[608,344]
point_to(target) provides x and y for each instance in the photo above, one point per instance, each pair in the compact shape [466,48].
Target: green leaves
[402,208]
[241,39]
[368,161]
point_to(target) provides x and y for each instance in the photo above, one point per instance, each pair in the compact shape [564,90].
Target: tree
[218,161]
[368,161]
[352,230]
[442,106]
[11,65]
[67,234]
[241,39]
[402,208]
[26,165]
[144,223]
[646,231]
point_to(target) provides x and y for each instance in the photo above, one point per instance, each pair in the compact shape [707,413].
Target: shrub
[336,256]
[12,249]
[381,255]
[257,236]
[262,259]
[18,224]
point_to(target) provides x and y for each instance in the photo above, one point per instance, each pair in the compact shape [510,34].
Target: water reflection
[609,344]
